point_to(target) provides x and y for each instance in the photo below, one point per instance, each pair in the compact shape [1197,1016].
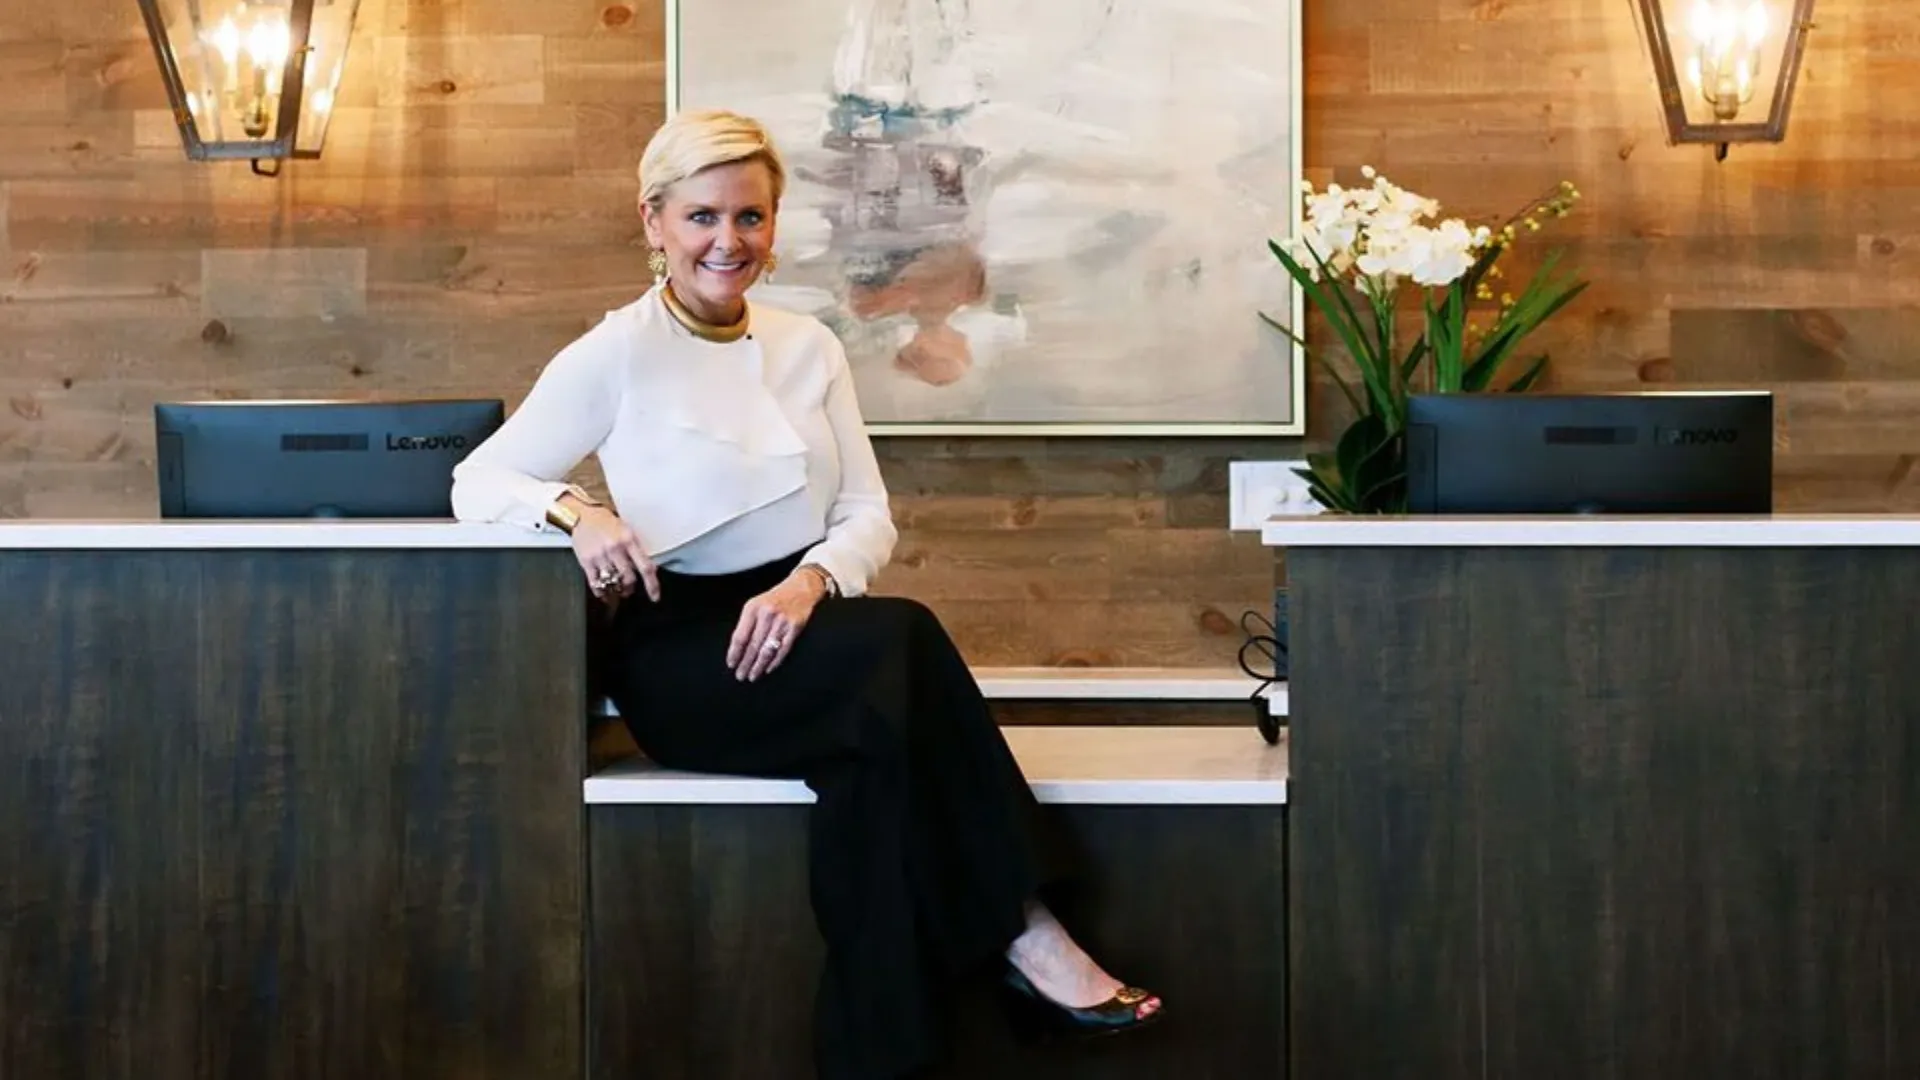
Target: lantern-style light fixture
[1726,68]
[252,79]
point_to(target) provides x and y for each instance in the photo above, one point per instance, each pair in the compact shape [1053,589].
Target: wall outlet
[1263,489]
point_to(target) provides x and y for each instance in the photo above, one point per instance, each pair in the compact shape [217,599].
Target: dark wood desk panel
[292,814]
[100,943]
[703,955]
[1605,812]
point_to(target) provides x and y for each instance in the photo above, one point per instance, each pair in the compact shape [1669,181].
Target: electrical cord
[1274,651]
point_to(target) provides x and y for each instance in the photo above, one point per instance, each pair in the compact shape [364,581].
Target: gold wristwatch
[826,579]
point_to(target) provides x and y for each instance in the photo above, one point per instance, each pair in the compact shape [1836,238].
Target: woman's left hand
[770,622]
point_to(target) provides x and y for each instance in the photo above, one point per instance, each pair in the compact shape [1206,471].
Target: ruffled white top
[720,456]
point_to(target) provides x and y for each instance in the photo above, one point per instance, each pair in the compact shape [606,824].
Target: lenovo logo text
[1698,436]
[426,442]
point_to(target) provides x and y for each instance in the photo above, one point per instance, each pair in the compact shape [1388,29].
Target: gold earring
[657,262]
[773,262]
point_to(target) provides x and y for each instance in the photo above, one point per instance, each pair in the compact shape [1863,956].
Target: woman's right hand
[611,556]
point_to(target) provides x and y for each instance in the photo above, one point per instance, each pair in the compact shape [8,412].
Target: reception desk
[1592,797]
[297,801]
[310,801]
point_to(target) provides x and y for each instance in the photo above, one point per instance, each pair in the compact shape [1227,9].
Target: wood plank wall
[474,212]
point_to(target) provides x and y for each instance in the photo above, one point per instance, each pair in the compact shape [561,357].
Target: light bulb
[268,42]
[1725,62]
[1703,22]
[1756,24]
[225,40]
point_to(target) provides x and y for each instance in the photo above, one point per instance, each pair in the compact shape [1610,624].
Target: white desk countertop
[1151,766]
[1574,530]
[50,535]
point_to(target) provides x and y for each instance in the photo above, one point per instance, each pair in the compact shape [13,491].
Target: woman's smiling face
[716,228]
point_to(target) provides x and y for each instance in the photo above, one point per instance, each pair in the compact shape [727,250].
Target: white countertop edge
[201,534]
[1098,684]
[682,789]
[1161,792]
[1573,530]
[1115,684]
[666,787]
[1133,766]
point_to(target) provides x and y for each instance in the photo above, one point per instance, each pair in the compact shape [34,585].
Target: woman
[751,514]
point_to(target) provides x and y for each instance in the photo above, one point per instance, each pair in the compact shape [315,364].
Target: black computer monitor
[1618,453]
[295,459]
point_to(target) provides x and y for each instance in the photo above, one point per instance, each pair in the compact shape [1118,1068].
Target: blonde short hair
[700,139]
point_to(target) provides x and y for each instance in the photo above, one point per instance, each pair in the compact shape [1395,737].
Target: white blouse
[721,457]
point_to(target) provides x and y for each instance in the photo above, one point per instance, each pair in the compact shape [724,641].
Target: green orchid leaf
[1359,447]
[1411,364]
[1529,377]
[1331,300]
[1339,380]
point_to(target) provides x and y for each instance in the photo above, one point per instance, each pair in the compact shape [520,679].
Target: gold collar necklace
[699,327]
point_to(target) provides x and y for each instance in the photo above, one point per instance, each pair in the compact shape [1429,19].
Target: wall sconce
[1712,62]
[254,80]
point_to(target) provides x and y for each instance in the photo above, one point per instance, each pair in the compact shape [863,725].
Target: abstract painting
[1028,216]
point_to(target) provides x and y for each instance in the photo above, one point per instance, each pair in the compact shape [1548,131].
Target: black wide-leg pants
[925,839]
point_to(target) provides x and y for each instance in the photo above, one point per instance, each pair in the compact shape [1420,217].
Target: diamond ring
[770,644]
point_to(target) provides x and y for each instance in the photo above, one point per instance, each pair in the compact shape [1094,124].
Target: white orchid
[1330,231]
[1430,256]
[1380,235]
